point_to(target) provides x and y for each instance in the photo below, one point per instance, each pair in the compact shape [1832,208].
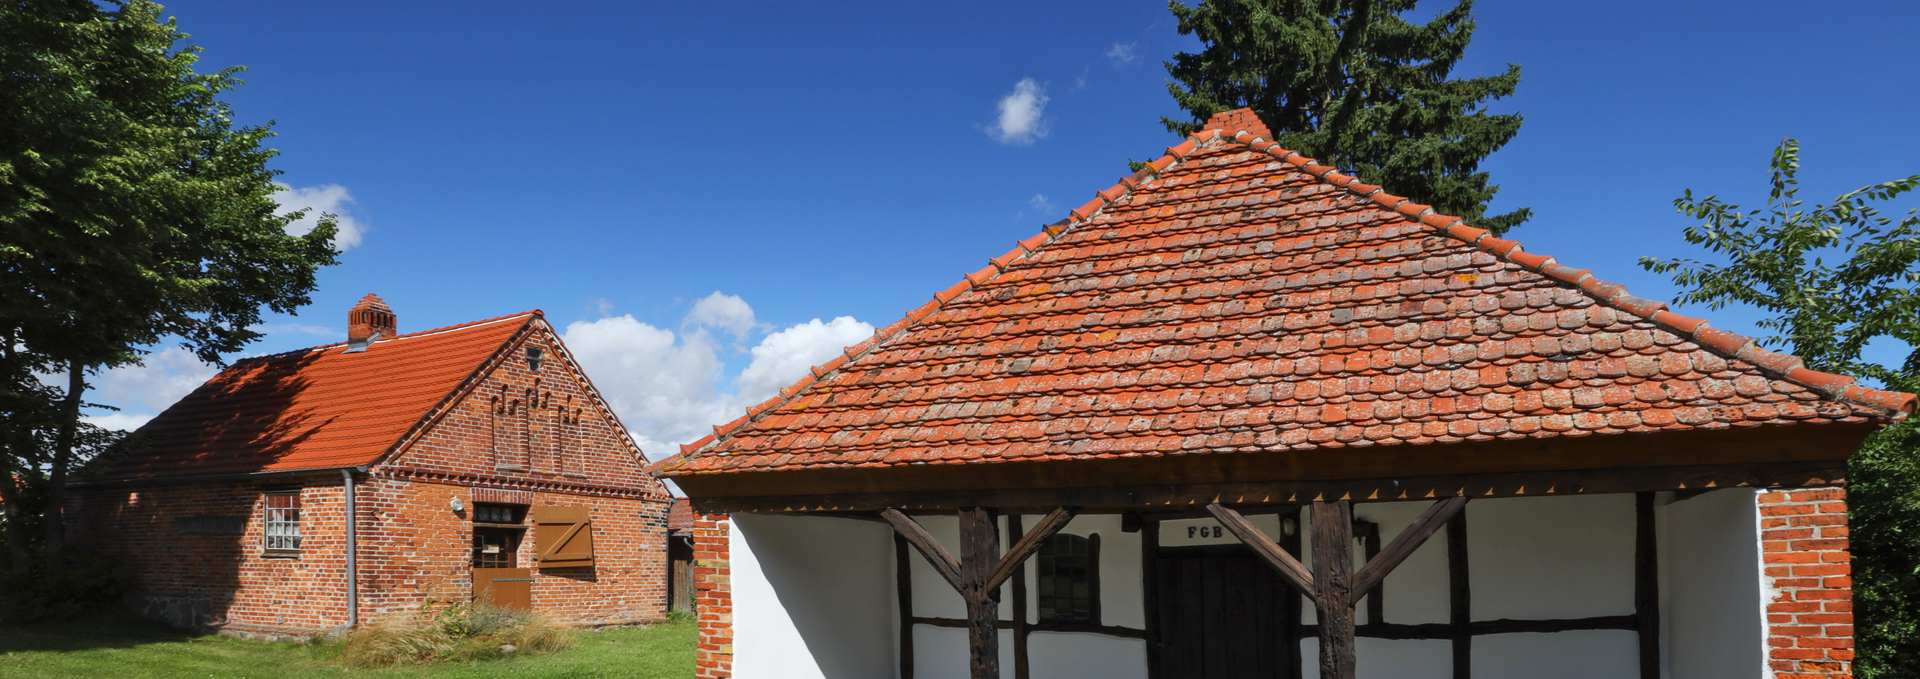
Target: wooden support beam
[1333,591]
[1290,542]
[1150,587]
[1021,668]
[1264,546]
[903,590]
[1376,595]
[1459,597]
[1646,585]
[1028,544]
[1403,545]
[979,555]
[943,563]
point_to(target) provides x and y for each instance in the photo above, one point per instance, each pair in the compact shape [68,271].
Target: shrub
[458,632]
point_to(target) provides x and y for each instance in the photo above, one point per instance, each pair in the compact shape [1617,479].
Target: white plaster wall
[1060,655]
[1588,654]
[941,653]
[1712,590]
[1551,557]
[1415,592]
[812,598]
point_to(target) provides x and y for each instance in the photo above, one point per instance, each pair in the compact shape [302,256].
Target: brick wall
[200,579]
[713,596]
[1809,583]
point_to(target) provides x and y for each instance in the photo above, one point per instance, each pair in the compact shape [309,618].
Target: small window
[283,521]
[492,513]
[1067,579]
[533,358]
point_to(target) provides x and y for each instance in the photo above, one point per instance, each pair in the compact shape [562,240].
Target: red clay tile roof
[317,408]
[1237,297]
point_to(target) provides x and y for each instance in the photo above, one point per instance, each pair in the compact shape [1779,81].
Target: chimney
[367,321]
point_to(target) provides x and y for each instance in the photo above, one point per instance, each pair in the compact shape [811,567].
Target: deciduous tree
[133,210]
[1835,279]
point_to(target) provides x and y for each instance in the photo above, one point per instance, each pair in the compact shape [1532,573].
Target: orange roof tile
[1235,296]
[318,408]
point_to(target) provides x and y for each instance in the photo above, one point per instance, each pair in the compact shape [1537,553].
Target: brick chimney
[1236,120]
[367,321]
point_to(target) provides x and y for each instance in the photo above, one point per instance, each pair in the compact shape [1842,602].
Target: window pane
[1063,583]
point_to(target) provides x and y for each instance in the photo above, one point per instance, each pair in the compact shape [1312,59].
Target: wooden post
[1333,580]
[1376,597]
[1460,597]
[903,589]
[1150,585]
[979,552]
[1020,627]
[1291,543]
[1646,585]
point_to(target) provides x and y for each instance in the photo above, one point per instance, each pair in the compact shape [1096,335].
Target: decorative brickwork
[713,596]
[1809,583]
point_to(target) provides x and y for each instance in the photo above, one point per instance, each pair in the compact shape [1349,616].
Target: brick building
[1243,415]
[476,458]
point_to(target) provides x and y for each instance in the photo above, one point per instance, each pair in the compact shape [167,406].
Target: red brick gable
[1237,297]
[325,407]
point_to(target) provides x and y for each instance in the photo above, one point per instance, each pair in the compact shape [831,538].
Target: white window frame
[280,525]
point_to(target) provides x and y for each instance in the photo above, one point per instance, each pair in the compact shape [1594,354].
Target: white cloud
[1022,115]
[120,421]
[142,391]
[786,356]
[1041,204]
[328,198]
[666,386]
[162,378]
[1123,53]
[722,312]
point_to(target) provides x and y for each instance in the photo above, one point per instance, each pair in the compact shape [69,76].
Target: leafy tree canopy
[1834,278]
[1353,84]
[132,210]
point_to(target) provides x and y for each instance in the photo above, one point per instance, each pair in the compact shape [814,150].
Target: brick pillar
[712,597]
[1809,583]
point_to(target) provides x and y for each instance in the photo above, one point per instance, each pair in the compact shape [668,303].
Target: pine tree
[1354,84]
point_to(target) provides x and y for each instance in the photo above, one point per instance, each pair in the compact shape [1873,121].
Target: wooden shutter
[563,536]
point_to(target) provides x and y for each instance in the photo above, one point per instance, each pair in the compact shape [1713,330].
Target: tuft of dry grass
[460,632]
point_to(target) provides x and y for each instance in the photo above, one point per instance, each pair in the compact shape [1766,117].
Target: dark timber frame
[977,575]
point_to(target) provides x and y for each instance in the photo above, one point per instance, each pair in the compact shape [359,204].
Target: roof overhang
[1667,460]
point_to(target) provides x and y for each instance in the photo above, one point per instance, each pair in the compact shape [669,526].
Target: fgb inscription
[1204,531]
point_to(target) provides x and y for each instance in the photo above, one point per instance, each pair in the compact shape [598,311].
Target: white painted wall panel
[1389,659]
[1712,590]
[1551,557]
[1055,655]
[812,598]
[1591,654]
[941,653]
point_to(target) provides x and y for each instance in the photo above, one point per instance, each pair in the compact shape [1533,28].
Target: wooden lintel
[1263,546]
[1403,545]
[1441,630]
[1080,627]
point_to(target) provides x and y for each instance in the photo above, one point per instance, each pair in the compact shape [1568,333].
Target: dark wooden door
[1223,615]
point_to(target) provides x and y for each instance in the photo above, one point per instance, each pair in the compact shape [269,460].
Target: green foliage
[1355,85]
[459,632]
[1834,278]
[132,210]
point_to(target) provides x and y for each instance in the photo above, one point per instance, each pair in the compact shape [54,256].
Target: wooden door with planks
[1222,615]
[509,588]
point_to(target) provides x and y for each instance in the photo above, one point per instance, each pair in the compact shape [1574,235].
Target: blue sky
[827,167]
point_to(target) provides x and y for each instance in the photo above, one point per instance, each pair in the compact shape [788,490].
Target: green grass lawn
[114,647]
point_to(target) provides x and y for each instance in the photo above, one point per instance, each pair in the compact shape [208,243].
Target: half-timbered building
[1244,416]
[297,493]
